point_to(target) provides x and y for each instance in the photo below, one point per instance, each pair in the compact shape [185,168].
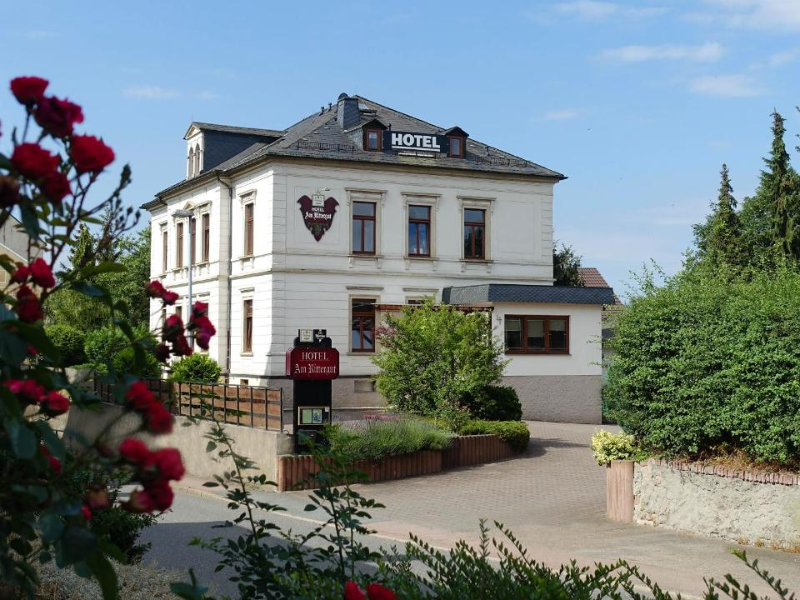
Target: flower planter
[619,491]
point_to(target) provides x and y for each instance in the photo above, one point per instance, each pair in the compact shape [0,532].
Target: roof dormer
[456,142]
[195,149]
[373,135]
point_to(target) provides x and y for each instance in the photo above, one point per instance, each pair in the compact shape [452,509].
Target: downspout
[228,278]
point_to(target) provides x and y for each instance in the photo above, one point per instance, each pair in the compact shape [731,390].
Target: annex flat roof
[526,294]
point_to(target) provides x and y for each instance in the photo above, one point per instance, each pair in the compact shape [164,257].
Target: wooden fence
[250,406]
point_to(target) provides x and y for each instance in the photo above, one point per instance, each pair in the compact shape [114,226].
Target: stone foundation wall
[559,398]
[741,506]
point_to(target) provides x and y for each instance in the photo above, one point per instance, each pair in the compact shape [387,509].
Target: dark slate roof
[319,136]
[529,294]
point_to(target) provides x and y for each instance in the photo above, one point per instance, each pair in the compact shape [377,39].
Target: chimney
[348,114]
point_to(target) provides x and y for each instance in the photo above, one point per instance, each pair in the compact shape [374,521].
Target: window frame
[206,237]
[192,241]
[462,140]
[379,135]
[428,222]
[247,334]
[179,241]
[363,315]
[164,249]
[524,333]
[362,218]
[473,225]
[249,228]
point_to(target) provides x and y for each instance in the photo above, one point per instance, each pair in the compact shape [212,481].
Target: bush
[125,362]
[607,446]
[705,363]
[101,345]
[69,342]
[197,368]
[515,433]
[433,356]
[494,403]
[360,440]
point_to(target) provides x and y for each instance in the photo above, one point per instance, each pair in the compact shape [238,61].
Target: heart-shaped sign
[317,214]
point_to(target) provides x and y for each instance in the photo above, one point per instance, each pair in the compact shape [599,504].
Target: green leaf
[52,526]
[6,313]
[30,222]
[211,446]
[105,575]
[77,544]
[5,163]
[23,441]
[106,267]
[12,349]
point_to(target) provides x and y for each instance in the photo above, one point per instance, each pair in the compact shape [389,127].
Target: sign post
[312,364]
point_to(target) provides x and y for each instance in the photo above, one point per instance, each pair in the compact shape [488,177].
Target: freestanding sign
[312,365]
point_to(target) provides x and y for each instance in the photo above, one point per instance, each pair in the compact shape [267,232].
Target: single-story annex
[353,211]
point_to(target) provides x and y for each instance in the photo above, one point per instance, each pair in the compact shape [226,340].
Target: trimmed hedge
[376,439]
[494,403]
[197,368]
[515,433]
[69,341]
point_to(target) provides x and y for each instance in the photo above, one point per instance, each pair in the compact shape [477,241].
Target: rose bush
[45,179]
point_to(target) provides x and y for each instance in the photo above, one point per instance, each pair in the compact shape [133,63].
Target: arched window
[191,164]
[197,160]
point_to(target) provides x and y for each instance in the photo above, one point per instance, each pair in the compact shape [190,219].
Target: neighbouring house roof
[592,278]
[530,294]
[321,136]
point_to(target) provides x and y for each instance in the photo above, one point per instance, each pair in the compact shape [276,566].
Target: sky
[638,102]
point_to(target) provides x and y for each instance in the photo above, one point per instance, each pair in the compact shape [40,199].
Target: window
[474,233]
[419,230]
[206,236]
[164,250]
[372,139]
[163,315]
[179,311]
[248,229]
[243,381]
[179,249]
[191,163]
[192,240]
[362,331]
[197,160]
[363,228]
[247,334]
[537,335]
[457,147]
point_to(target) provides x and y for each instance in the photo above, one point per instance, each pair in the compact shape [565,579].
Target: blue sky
[638,102]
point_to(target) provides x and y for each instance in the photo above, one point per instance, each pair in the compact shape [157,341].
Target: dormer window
[372,140]
[190,172]
[456,146]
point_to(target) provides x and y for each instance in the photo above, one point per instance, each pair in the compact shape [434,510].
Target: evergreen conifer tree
[723,230]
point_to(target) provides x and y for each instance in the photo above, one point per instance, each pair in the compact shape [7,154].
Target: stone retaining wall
[746,507]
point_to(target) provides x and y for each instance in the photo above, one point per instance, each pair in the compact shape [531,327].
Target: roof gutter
[229,273]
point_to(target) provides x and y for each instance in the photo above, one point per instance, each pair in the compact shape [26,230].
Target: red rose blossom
[161,495]
[33,161]
[20,274]
[162,352]
[9,192]
[154,289]
[90,154]
[58,117]
[28,308]
[55,404]
[85,512]
[134,451]
[169,298]
[26,389]
[56,187]
[200,309]
[169,464]
[41,273]
[140,397]
[139,502]
[375,591]
[180,347]
[353,592]
[54,463]
[158,418]
[28,90]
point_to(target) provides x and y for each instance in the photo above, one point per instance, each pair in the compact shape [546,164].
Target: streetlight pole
[188,214]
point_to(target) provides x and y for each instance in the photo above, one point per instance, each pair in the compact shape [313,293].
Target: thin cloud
[150,92]
[565,114]
[728,86]
[206,95]
[709,52]
[774,15]
[595,10]
[784,58]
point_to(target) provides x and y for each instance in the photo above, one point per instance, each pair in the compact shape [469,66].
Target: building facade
[357,210]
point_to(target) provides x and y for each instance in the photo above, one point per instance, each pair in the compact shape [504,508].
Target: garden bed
[296,472]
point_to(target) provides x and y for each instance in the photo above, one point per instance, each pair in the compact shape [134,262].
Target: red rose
[169,464]
[203,339]
[180,347]
[54,463]
[139,502]
[28,390]
[353,592]
[169,298]
[20,274]
[134,451]
[89,154]
[56,187]
[85,512]
[154,289]
[158,419]
[162,496]
[28,309]
[200,309]
[162,352]
[33,161]
[173,328]
[58,117]
[9,192]
[28,90]
[375,591]
[41,273]
[139,396]
[55,404]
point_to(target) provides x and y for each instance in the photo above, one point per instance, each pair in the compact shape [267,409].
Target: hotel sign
[317,213]
[312,363]
[426,142]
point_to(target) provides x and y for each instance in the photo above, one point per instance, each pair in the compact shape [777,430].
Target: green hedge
[69,341]
[376,439]
[494,403]
[703,365]
[514,433]
[197,368]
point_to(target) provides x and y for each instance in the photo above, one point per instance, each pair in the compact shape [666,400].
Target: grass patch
[376,439]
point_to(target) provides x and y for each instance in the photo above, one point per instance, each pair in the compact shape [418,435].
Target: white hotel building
[358,209]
